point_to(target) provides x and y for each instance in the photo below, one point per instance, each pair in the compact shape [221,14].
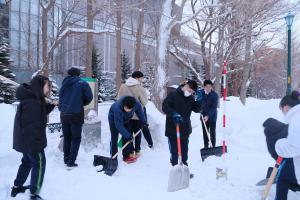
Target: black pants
[174,152]
[114,141]
[286,179]
[36,163]
[135,126]
[146,132]
[211,127]
[72,139]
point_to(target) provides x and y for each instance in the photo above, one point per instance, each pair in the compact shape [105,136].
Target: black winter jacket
[30,122]
[274,130]
[176,102]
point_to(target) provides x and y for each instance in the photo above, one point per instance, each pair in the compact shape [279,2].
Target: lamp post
[289,21]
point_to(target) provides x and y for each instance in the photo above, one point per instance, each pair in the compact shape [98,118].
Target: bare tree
[138,43]
[118,7]
[46,7]
[89,48]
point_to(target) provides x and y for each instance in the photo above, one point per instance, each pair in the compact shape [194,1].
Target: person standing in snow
[133,87]
[178,106]
[287,148]
[29,135]
[73,95]
[119,117]
[209,112]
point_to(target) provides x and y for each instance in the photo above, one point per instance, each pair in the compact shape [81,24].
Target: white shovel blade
[179,178]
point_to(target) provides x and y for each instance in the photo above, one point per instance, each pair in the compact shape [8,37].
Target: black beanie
[74,71]
[137,74]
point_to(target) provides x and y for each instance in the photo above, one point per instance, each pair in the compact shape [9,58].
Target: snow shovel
[210,151]
[179,177]
[264,181]
[110,165]
[271,179]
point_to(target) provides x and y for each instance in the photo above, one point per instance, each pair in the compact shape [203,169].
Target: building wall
[4,22]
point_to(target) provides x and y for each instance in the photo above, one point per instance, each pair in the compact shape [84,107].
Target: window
[34,7]
[25,6]
[24,41]
[15,5]
[14,40]
[14,21]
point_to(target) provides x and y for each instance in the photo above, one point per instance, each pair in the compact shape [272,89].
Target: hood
[24,92]
[292,112]
[70,80]
[179,90]
[273,126]
[132,82]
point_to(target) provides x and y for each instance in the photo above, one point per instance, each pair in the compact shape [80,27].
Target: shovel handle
[271,179]
[178,141]
[206,130]
[127,143]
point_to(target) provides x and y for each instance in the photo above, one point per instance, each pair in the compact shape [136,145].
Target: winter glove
[145,125]
[128,137]
[177,118]
[198,96]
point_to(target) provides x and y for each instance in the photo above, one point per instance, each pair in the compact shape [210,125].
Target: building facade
[26,42]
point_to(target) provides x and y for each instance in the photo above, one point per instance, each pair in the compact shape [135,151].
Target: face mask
[187,93]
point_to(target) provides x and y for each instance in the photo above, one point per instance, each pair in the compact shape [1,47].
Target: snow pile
[247,160]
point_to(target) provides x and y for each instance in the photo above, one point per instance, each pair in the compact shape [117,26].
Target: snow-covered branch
[187,64]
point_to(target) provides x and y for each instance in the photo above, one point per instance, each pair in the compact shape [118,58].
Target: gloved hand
[129,137]
[145,125]
[177,118]
[198,96]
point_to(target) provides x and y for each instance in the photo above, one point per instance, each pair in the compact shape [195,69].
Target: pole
[224,74]
[289,59]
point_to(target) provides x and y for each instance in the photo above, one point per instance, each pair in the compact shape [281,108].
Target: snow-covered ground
[247,160]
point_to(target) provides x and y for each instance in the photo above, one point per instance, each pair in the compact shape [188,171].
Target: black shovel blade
[214,151]
[100,160]
[109,165]
[112,166]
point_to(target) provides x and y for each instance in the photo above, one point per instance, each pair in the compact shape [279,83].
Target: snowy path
[147,178]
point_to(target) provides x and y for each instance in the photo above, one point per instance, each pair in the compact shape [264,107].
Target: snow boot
[130,160]
[35,197]
[18,189]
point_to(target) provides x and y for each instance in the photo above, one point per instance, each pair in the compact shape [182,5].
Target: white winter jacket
[132,87]
[290,147]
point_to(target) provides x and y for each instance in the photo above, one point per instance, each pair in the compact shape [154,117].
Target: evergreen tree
[7,91]
[126,67]
[54,88]
[106,86]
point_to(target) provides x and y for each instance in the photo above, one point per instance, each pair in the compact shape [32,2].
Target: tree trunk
[138,49]
[89,48]
[205,60]
[161,49]
[45,42]
[118,43]
[220,60]
[247,64]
